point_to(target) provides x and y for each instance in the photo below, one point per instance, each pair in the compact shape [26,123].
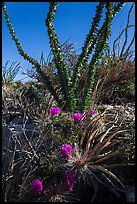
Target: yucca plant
[95,154]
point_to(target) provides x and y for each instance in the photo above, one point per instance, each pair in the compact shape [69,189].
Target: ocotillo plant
[96,40]
[124,53]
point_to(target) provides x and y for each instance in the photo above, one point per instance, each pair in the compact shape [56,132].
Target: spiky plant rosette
[96,152]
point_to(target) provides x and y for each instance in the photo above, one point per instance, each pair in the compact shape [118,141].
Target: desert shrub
[115,77]
[34,99]
[117,80]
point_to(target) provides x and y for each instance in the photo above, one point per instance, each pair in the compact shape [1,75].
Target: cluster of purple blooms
[66,149]
[54,111]
[36,185]
[76,116]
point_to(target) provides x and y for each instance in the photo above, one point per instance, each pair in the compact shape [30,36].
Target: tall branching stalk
[63,70]
[101,44]
[95,40]
[89,45]
[45,79]
[125,30]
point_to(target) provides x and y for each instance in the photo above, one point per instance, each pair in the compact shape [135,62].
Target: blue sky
[72,20]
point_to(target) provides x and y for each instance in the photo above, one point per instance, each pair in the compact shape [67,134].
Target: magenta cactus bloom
[66,150]
[36,186]
[70,180]
[89,111]
[54,111]
[77,117]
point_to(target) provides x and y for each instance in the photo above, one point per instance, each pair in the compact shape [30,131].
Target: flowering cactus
[77,117]
[66,150]
[54,111]
[36,186]
[89,111]
[70,180]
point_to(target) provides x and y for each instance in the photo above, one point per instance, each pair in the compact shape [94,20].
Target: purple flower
[66,150]
[54,111]
[77,117]
[89,111]
[70,180]
[36,186]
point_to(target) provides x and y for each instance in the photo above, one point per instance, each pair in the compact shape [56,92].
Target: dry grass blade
[107,141]
[94,150]
[8,178]
[11,165]
[26,138]
[90,128]
[104,157]
[91,137]
[95,92]
[109,173]
[109,145]
[98,146]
